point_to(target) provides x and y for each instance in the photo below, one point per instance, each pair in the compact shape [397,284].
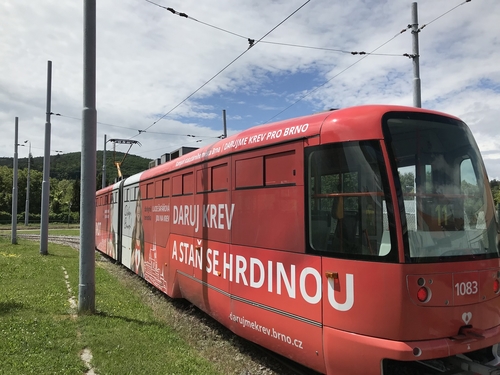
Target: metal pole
[44,222]
[417,95]
[27,208]
[14,187]
[224,120]
[69,212]
[104,164]
[86,287]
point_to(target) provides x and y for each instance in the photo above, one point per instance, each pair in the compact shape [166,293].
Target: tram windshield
[448,207]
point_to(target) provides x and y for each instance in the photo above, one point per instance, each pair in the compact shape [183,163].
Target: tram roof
[354,123]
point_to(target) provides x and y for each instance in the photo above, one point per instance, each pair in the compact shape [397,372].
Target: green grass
[41,334]
[54,230]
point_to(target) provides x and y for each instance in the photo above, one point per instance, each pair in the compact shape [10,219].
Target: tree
[407,182]
[75,196]
[5,189]
[495,189]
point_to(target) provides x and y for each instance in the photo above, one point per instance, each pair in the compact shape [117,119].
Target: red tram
[351,241]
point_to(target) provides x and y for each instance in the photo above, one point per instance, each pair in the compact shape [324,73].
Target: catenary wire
[445,13]
[135,129]
[252,43]
[364,57]
[335,76]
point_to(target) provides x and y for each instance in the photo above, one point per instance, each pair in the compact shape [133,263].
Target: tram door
[347,228]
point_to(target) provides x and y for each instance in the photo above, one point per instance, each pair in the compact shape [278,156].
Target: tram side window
[187,183]
[150,191]
[252,174]
[166,187]
[203,180]
[158,189]
[177,185]
[474,215]
[212,179]
[346,200]
[220,177]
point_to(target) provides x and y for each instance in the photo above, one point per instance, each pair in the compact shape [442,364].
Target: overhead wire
[135,129]
[252,41]
[336,75]
[444,14]
[251,44]
[364,57]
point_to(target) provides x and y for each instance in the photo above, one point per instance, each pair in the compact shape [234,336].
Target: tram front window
[347,215]
[447,204]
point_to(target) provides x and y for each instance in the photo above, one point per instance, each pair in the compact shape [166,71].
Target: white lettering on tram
[218,216]
[295,129]
[306,272]
[349,301]
[252,272]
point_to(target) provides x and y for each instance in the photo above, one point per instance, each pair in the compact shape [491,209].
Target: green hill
[67,166]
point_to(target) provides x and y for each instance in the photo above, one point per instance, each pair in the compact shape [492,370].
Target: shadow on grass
[7,307]
[104,314]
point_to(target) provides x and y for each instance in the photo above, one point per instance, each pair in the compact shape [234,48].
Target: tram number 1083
[466,288]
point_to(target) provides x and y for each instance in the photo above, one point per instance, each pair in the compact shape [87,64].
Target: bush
[74,218]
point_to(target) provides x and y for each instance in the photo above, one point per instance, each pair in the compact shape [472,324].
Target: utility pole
[224,121]
[417,95]
[14,187]
[104,164]
[27,207]
[44,222]
[86,287]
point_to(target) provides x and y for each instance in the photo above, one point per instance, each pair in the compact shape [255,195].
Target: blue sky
[150,60]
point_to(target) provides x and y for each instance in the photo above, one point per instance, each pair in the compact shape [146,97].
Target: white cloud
[149,60]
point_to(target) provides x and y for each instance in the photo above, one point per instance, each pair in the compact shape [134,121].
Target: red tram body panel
[363,232]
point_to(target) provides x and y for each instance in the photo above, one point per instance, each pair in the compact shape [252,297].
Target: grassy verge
[54,230]
[41,334]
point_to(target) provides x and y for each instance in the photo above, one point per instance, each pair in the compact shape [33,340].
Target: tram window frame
[177,185]
[212,178]
[267,168]
[158,189]
[150,190]
[166,187]
[337,216]
[249,173]
[183,184]
[188,183]
[280,168]
[204,180]
[220,177]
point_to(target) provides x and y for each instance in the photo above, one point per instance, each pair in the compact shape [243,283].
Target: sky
[173,76]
